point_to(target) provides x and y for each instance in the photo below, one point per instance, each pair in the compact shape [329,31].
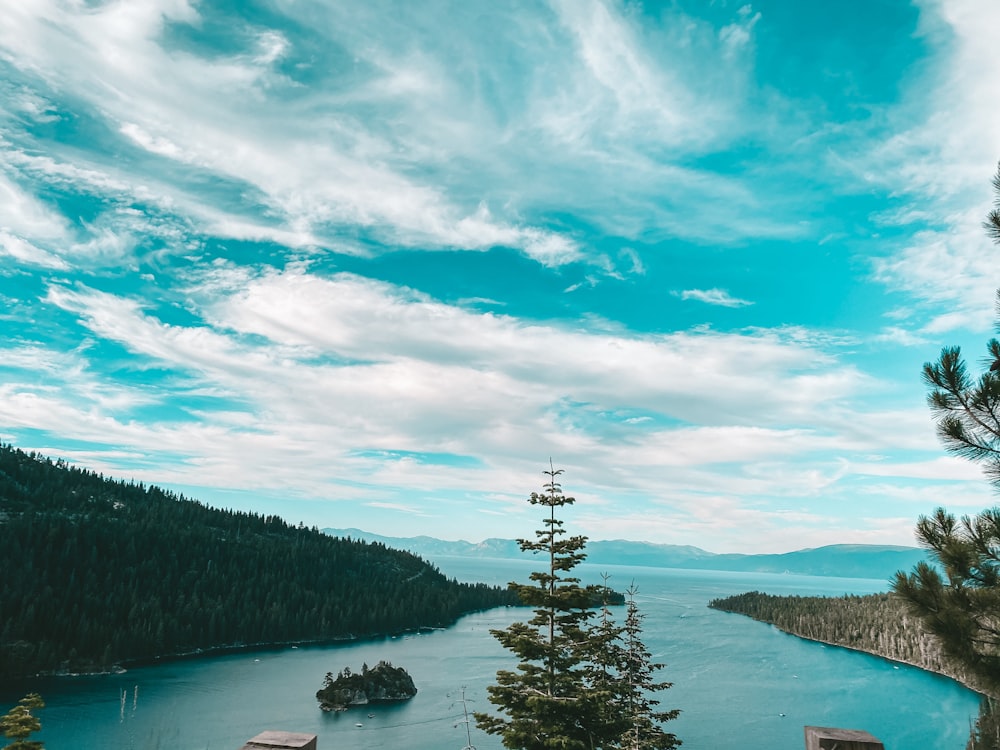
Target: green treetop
[638,688]
[959,599]
[19,723]
[569,689]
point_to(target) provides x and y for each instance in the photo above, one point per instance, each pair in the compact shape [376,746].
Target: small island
[382,684]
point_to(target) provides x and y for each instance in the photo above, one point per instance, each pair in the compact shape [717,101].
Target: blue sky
[371,264]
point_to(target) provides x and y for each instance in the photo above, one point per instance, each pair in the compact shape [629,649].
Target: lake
[741,685]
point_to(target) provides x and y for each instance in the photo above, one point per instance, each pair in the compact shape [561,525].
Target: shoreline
[922,667]
[123,666]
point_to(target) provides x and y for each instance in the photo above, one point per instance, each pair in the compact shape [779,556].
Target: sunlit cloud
[713,297]
[944,156]
[339,255]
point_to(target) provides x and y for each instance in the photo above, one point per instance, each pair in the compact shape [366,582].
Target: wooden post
[827,738]
[278,740]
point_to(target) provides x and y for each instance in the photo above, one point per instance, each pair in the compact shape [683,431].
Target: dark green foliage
[572,686]
[960,604]
[992,222]
[962,607]
[967,410]
[623,677]
[19,723]
[382,683]
[546,700]
[98,571]
[638,687]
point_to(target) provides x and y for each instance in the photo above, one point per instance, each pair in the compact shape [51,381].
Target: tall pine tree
[638,705]
[20,723]
[577,679]
[962,606]
[959,599]
[546,701]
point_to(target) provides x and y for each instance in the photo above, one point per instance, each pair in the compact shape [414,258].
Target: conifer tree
[962,606]
[579,684]
[546,701]
[638,687]
[19,723]
[622,678]
[606,654]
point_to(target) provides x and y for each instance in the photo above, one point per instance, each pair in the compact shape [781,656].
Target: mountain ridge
[878,561]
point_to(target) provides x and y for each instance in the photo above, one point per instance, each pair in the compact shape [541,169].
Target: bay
[739,684]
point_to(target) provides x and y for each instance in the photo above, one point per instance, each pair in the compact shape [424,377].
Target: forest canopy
[99,571]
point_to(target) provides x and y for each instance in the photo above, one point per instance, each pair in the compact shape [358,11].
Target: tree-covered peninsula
[879,624]
[99,572]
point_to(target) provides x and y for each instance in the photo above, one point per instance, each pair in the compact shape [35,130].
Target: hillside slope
[878,624]
[98,572]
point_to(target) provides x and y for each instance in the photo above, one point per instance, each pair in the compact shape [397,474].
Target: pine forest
[98,572]
[878,624]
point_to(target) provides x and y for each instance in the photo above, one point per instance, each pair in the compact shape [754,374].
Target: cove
[740,684]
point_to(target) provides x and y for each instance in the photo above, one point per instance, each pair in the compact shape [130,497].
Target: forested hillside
[877,623]
[98,571]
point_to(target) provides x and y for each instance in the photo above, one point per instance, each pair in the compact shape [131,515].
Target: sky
[368,264]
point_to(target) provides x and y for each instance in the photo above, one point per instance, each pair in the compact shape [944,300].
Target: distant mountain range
[840,560]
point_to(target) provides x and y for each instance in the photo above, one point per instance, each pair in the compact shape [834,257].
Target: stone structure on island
[277,740]
[382,684]
[827,738]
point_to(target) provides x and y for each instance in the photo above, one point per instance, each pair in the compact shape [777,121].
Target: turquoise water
[740,684]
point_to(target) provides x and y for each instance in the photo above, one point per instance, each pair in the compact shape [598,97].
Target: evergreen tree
[992,222]
[607,656]
[638,687]
[580,684]
[962,606]
[99,571]
[968,410]
[19,723]
[546,701]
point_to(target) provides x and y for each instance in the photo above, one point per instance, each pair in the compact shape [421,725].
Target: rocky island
[384,683]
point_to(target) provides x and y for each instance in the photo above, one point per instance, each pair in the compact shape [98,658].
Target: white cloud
[616,60]
[713,297]
[942,157]
[941,468]
[924,497]
[154,144]
[587,138]
[312,181]
[310,167]
[359,318]
[22,214]
[735,37]
[25,252]
[902,336]
[324,367]
[634,259]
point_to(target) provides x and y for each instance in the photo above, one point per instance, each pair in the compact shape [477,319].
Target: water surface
[741,685]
